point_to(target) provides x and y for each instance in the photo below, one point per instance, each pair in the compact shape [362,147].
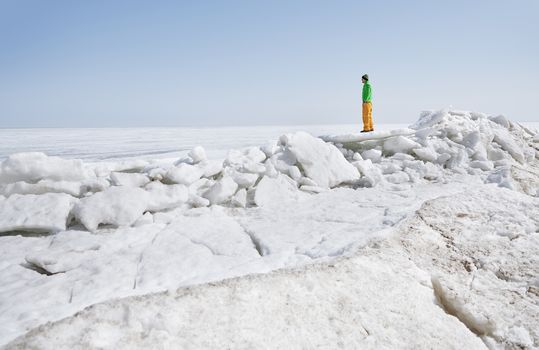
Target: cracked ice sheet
[336,222]
[199,245]
[204,245]
[28,298]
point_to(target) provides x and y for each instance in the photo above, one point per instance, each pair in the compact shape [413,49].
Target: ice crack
[257,244]
[141,256]
[39,269]
[451,307]
[212,250]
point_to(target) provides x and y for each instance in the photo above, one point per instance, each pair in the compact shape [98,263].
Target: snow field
[137,227]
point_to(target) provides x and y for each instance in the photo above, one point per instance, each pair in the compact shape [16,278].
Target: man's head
[364,78]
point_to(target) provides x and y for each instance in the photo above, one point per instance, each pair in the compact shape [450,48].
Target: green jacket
[367,92]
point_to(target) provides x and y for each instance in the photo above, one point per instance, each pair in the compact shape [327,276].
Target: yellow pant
[367,116]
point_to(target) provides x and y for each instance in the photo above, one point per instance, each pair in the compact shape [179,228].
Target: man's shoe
[364,131]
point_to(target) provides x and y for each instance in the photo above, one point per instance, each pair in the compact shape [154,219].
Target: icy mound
[442,143]
[439,145]
[127,194]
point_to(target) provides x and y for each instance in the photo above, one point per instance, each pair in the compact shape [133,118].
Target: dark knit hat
[365,76]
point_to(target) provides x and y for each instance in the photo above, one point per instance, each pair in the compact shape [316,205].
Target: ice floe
[321,162]
[48,212]
[118,206]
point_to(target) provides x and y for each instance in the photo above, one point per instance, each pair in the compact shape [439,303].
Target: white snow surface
[425,237]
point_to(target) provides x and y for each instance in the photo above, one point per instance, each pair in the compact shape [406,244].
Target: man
[367,104]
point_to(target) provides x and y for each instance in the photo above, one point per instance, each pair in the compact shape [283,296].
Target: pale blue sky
[204,63]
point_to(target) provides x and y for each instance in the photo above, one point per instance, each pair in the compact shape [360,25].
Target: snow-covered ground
[422,237]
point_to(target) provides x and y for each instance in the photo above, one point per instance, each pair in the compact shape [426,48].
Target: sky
[116,63]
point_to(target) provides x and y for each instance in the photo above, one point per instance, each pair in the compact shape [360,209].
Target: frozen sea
[420,246]
[111,144]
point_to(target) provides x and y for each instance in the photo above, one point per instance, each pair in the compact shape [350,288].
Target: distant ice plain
[114,144]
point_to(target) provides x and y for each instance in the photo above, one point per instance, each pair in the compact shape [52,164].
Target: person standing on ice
[367,104]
